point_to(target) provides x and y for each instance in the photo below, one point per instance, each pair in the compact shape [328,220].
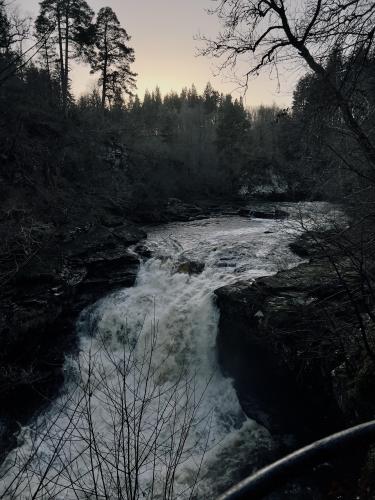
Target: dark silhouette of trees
[273,31]
[4,29]
[14,31]
[208,135]
[111,57]
[233,139]
[66,23]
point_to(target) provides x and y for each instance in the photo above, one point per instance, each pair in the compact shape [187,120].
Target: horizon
[169,60]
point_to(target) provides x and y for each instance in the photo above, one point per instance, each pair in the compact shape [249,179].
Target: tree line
[67,31]
[142,151]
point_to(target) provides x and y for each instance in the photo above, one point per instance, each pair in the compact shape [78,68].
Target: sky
[163,36]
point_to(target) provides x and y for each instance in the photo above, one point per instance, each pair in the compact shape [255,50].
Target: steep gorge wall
[292,372]
[38,309]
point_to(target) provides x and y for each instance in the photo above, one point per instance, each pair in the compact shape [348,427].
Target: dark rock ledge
[292,372]
[39,307]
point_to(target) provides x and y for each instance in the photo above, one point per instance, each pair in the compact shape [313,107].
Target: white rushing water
[145,411]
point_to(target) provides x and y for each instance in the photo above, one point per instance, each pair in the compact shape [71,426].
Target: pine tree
[47,54]
[4,30]
[112,57]
[232,139]
[210,98]
[66,23]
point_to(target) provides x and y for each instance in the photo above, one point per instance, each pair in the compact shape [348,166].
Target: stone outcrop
[266,333]
[39,306]
[284,340]
[190,267]
[273,213]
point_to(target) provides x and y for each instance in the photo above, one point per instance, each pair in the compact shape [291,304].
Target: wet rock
[190,267]
[143,250]
[269,214]
[314,244]
[174,210]
[244,212]
[38,309]
[275,341]
[299,249]
[224,264]
[112,220]
[267,330]
[290,371]
[99,239]
[180,211]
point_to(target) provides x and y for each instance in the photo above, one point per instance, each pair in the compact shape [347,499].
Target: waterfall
[145,411]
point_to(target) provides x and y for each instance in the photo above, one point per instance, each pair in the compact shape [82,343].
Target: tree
[66,23]
[278,30]
[121,431]
[112,57]
[210,98]
[232,139]
[4,29]
[14,30]
[48,54]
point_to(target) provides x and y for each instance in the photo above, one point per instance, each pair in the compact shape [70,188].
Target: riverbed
[145,411]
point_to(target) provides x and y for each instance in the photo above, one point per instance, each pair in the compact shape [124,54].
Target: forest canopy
[140,151]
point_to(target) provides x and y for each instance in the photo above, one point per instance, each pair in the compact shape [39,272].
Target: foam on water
[150,351]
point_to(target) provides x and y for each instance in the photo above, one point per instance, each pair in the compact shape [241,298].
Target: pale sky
[163,34]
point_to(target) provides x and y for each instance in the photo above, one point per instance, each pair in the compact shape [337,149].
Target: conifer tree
[111,57]
[66,23]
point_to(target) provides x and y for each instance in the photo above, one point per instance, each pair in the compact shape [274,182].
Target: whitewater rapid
[145,411]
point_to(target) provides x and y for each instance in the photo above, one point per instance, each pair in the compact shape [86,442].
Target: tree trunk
[66,75]
[61,55]
[105,68]
[48,68]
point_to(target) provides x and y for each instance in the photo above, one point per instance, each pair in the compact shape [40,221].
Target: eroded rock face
[276,329]
[294,371]
[174,210]
[280,316]
[39,306]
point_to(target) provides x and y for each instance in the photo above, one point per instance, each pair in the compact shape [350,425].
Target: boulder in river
[269,214]
[190,267]
[244,212]
[143,250]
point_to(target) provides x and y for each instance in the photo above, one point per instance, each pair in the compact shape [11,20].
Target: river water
[145,411]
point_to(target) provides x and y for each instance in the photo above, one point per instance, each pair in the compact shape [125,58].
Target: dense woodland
[66,161]
[68,152]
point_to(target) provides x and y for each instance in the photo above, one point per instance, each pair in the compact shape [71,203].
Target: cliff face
[39,306]
[296,356]
[267,333]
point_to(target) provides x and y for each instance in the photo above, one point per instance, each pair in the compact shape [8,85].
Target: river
[145,411]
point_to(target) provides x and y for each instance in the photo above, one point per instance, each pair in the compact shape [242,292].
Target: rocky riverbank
[57,270]
[39,306]
[292,344]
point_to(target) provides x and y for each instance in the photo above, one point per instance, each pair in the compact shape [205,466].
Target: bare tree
[122,430]
[14,32]
[66,23]
[276,31]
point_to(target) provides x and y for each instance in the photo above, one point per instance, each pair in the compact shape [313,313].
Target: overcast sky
[163,34]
